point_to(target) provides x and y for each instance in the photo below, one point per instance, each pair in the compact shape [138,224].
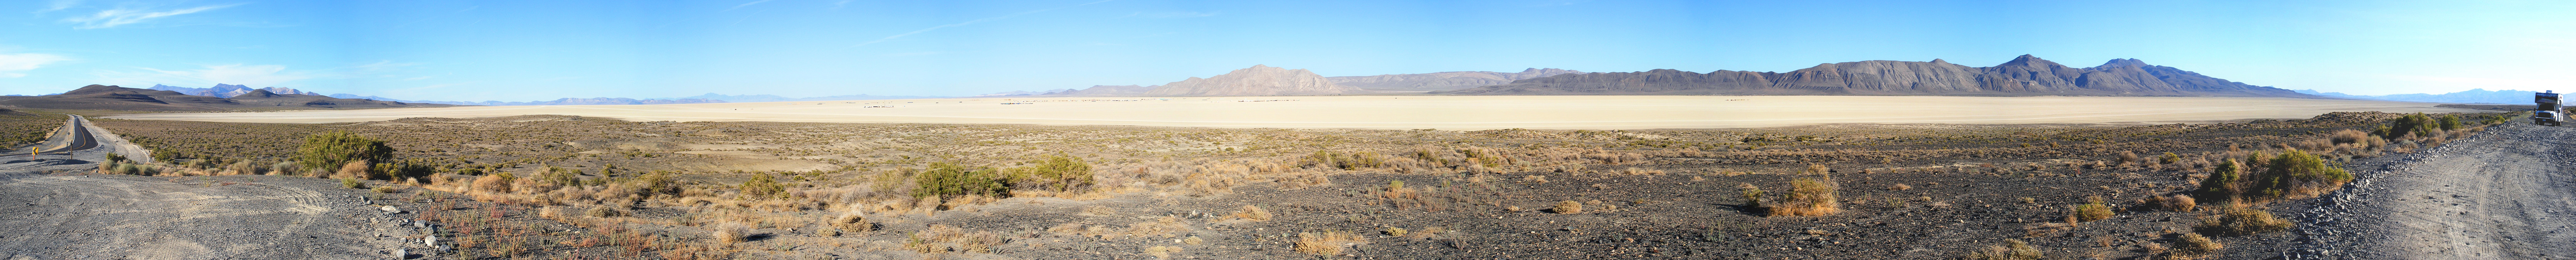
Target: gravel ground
[2503,194]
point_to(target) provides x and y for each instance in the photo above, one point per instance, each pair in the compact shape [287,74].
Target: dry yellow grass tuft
[1327,243]
[1250,213]
[1568,207]
[2194,246]
[729,233]
[2237,219]
[1161,252]
[2010,250]
[1807,197]
[852,222]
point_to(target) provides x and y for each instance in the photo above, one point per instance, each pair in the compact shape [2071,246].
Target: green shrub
[2223,184]
[352,183]
[1752,196]
[658,182]
[762,186]
[946,180]
[332,149]
[1344,161]
[1057,173]
[2297,174]
[2418,124]
[2451,122]
[2093,211]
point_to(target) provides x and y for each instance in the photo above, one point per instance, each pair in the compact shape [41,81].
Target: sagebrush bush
[2296,174]
[853,222]
[2195,246]
[944,180]
[335,148]
[1327,243]
[730,232]
[2010,250]
[1059,173]
[2094,210]
[761,186]
[2237,219]
[1807,197]
[352,183]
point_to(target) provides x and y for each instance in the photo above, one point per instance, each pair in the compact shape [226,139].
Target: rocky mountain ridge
[1437,81]
[103,97]
[2023,76]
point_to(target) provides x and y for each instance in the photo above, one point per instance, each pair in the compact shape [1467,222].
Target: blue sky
[541,50]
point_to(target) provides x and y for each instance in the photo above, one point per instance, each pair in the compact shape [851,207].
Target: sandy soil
[2499,195]
[1415,112]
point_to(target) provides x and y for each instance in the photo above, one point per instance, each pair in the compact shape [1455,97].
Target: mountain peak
[2029,61]
[2124,63]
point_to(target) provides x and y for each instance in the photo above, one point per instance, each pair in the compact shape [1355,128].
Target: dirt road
[2504,194]
[225,217]
[55,213]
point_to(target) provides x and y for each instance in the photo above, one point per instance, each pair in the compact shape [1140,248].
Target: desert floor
[1413,112]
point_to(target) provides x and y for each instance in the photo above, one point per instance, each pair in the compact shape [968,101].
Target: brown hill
[1437,81]
[1103,91]
[102,97]
[1259,80]
[2023,76]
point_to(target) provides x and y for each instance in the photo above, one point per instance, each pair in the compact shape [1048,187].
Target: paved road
[78,139]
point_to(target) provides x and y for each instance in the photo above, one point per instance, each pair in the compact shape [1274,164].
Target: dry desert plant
[1568,207]
[853,223]
[2194,246]
[1327,243]
[2237,219]
[2010,250]
[729,233]
[2092,210]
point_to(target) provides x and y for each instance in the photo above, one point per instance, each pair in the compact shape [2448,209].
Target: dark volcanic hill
[2023,76]
[101,97]
[1437,81]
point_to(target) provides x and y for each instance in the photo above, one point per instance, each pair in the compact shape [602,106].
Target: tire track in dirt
[2503,194]
[142,217]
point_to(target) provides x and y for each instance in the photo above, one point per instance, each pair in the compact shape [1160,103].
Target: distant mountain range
[1437,81]
[228,90]
[101,97]
[776,98]
[2023,76]
[2471,96]
[1258,80]
[699,99]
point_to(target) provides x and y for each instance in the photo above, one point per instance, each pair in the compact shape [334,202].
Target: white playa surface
[1414,112]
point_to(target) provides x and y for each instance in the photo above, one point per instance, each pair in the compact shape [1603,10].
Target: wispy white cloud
[124,16]
[739,6]
[944,26]
[59,5]
[11,65]
[248,75]
[381,65]
[1179,14]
